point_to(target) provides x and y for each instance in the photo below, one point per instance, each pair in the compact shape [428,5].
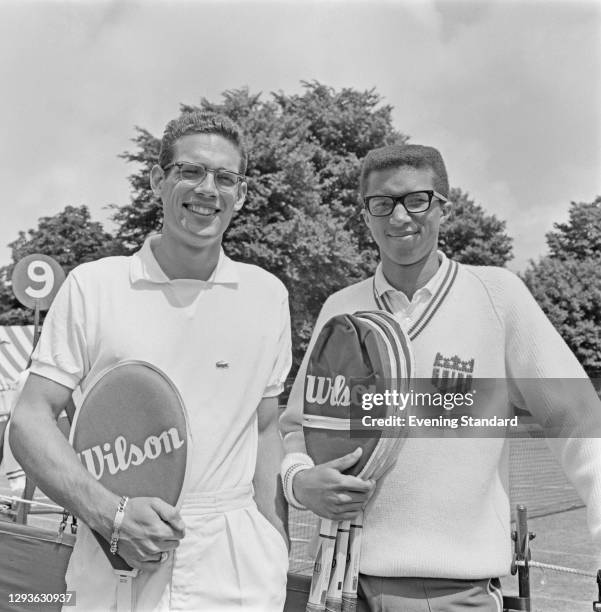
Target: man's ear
[368,220]
[241,196]
[366,217]
[445,208]
[157,176]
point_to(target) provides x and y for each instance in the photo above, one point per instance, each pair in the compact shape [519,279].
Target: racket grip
[349,603]
[351,575]
[334,595]
[323,566]
[126,599]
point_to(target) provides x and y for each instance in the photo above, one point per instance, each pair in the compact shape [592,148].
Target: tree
[70,237]
[580,237]
[300,220]
[142,215]
[471,236]
[567,285]
[569,291]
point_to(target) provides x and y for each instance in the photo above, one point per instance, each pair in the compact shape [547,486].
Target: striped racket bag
[354,355]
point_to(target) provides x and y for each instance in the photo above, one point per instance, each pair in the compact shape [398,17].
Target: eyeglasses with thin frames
[195,174]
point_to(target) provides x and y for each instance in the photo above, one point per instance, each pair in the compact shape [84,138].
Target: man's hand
[331,494]
[150,527]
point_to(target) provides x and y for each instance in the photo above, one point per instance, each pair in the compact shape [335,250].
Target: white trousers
[231,559]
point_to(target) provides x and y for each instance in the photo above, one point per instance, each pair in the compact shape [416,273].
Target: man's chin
[203,230]
[202,227]
[408,257]
[200,238]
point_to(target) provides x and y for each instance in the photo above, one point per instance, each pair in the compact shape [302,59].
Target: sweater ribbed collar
[423,293]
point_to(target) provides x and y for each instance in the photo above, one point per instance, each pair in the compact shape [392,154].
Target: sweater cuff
[292,464]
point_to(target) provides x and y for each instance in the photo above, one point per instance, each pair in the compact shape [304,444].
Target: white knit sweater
[443,509]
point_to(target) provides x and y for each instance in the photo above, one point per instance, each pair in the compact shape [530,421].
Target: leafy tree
[300,220]
[142,215]
[569,291]
[329,130]
[12,311]
[567,285]
[471,236]
[70,237]
[580,236]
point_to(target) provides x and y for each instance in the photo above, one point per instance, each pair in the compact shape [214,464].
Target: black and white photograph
[300,306]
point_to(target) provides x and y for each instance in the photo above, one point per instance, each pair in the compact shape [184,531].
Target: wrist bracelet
[291,472]
[292,464]
[120,514]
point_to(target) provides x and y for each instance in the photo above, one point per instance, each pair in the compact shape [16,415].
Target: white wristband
[293,464]
[119,515]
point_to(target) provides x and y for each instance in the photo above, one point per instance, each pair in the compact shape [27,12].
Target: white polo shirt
[225,343]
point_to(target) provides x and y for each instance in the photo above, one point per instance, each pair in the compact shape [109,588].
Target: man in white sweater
[437,525]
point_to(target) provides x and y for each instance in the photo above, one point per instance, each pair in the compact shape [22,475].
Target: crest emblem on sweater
[452,374]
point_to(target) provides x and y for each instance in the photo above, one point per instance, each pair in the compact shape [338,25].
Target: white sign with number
[36,280]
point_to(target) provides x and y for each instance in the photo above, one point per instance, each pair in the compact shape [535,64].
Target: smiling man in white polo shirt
[220,330]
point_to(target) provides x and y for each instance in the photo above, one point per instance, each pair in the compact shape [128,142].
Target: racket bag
[354,357]
[32,560]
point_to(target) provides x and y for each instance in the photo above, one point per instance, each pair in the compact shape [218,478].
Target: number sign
[36,279]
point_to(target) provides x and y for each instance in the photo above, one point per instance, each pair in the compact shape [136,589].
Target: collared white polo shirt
[224,342]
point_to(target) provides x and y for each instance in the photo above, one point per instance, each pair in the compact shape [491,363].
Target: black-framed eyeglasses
[195,174]
[414,202]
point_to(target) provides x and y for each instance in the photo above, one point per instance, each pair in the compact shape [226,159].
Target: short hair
[201,122]
[412,155]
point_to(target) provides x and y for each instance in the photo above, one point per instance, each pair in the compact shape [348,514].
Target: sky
[510,92]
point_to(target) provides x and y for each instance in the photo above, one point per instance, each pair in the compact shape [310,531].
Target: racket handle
[323,566]
[351,575]
[349,603]
[334,596]
[125,591]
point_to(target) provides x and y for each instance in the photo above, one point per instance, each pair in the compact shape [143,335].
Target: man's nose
[207,185]
[399,215]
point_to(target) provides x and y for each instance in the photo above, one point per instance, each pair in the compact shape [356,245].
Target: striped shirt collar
[145,267]
[428,290]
